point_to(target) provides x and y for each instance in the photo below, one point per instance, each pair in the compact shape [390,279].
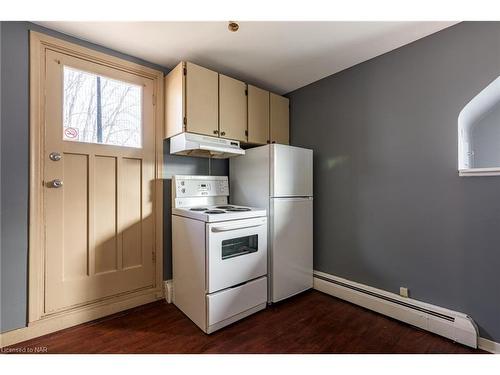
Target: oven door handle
[228,228]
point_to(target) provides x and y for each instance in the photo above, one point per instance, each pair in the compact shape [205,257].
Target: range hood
[190,144]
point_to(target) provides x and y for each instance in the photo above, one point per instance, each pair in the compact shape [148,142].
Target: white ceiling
[279,56]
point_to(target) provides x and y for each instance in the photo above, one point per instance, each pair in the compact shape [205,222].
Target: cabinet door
[174,101]
[279,115]
[258,115]
[202,100]
[232,108]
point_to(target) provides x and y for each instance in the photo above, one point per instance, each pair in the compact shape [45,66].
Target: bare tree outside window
[98,109]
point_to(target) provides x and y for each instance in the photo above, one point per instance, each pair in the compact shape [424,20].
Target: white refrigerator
[280,179]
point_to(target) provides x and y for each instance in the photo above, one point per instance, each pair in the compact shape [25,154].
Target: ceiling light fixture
[233,26]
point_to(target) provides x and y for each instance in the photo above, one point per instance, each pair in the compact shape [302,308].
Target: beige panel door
[232,108]
[99,235]
[202,100]
[258,115]
[279,119]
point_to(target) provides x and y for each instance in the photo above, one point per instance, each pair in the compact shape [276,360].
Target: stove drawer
[230,302]
[236,252]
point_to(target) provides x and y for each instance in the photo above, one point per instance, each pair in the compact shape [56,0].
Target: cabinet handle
[273,142]
[223,133]
[268,141]
[216,132]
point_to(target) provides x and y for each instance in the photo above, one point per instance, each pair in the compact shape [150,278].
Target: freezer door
[291,171]
[291,259]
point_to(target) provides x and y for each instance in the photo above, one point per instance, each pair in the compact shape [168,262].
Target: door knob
[216,132]
[223,133]
[56,183]
[55,156]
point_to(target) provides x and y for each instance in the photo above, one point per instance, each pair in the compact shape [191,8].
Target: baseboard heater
[454,325]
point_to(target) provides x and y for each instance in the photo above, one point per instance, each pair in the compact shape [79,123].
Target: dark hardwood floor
[311,322]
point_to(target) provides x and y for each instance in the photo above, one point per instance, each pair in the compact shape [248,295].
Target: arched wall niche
[479,133]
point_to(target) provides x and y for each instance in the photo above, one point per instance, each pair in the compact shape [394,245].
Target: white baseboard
[488,345]
[168,289]
[454,325]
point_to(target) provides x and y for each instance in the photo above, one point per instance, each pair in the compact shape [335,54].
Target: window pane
[235,247]
[98,109]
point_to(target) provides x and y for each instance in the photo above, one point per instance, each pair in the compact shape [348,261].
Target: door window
[101,110]
[235,247]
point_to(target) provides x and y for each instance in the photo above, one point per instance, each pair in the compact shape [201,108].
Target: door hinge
[153,256]
[154,99]
[184,121]
[246,92]
[246,133]
[184,70]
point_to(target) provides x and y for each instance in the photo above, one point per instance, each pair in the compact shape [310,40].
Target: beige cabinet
[232,108]
[279,119]
[199,100]
[258,115]
[191,100]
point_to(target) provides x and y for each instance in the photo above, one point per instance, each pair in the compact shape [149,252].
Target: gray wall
[14,175]
[390,208]
[14,39]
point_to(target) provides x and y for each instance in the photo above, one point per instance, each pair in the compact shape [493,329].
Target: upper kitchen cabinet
[232,108]
[279,119]
[258,115]
[201,101]
[191,100]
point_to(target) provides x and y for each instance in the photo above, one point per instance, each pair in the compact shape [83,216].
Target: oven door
[237,252]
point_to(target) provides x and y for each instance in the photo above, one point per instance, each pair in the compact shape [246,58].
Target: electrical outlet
[404,292]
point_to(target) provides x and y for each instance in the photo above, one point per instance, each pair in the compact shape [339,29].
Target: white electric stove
[219,253]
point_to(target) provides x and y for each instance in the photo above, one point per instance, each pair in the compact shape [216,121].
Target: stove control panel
[200,186]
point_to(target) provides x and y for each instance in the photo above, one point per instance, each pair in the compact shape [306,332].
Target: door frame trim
[39,44]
